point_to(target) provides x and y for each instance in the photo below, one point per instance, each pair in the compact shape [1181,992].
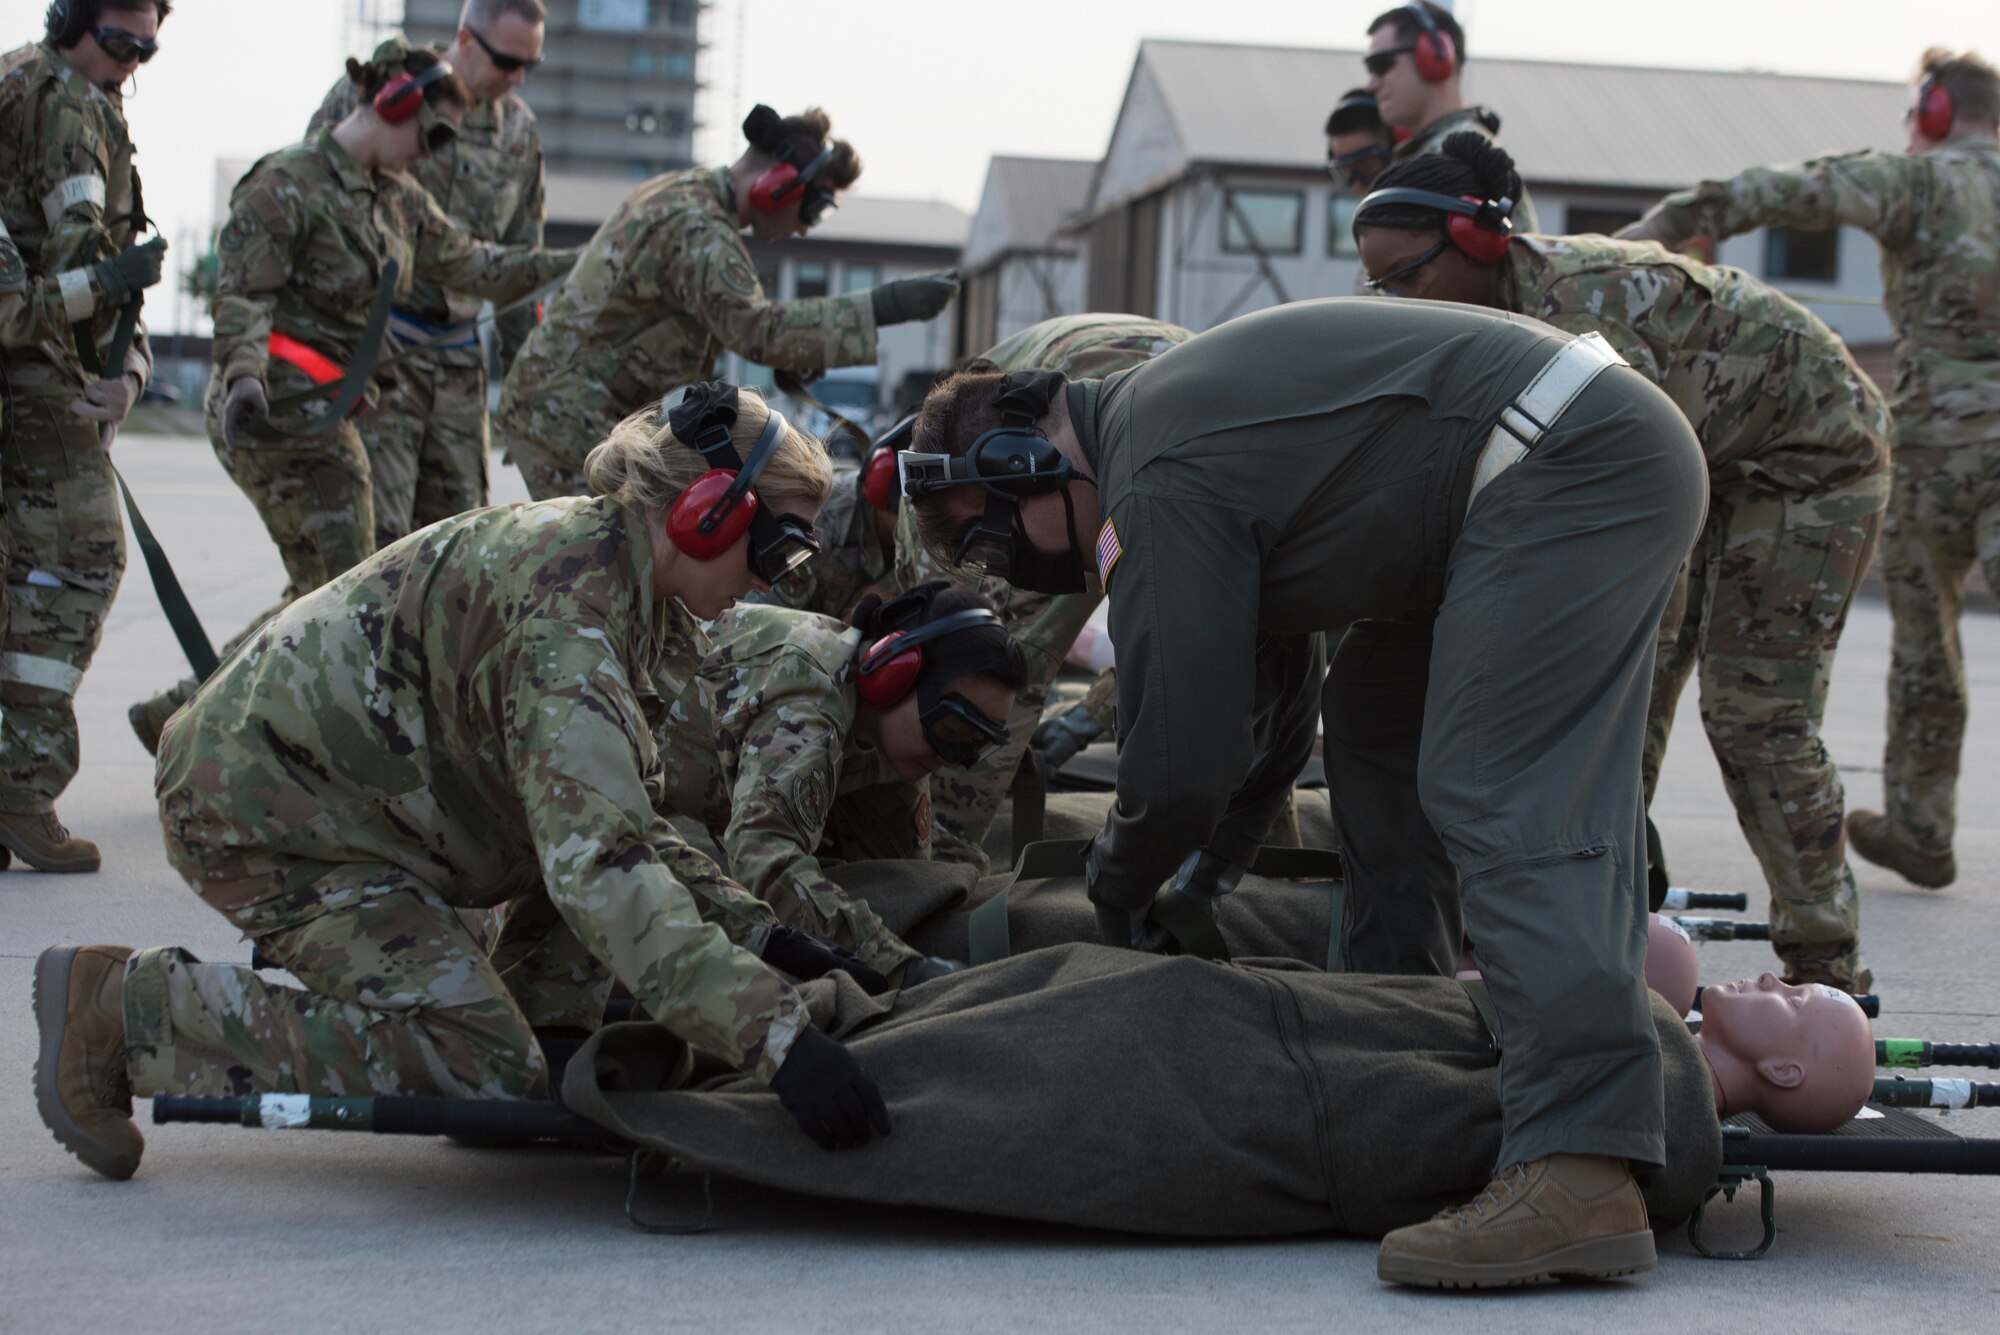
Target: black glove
[919,298]
[1208,876]
[805,956]
[927,968]
[131,269]
[244,407]
[1058,740]
[828,1094]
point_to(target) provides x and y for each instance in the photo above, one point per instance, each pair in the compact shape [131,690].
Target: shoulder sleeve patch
[1108,551]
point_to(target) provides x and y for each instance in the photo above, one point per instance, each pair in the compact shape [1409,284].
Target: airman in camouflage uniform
[663,288]
[69,200]
[1797,442]
[758,745]
[465,719]
[1936,216]
[308,233]
[1082,347]
[426,439]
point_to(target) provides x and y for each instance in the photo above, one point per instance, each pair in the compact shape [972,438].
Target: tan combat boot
[1564,1215]
[40,840]
[81,1087]
[1868,834]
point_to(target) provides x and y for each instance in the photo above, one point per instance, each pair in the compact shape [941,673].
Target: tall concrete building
[615,95]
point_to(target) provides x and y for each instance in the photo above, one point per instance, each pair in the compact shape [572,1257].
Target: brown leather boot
[40,840]
[1868,834]
[81,1087]
[1565,1215]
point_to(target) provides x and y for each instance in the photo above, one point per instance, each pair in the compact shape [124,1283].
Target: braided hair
[1467,164]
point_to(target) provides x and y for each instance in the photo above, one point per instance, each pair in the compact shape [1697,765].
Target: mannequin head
[1801,1058]
[1671,967]
[641,464]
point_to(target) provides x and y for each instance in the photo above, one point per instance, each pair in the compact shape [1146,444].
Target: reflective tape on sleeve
[79,298]
[44,674]
[71,193]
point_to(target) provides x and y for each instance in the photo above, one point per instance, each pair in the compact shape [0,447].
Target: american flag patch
[1108,551]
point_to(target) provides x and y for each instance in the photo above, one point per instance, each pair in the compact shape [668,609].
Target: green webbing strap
[1336,926]
[987,938]
[1483,1003]
[180,613]
[1031,801]
[986,934]
[345,392]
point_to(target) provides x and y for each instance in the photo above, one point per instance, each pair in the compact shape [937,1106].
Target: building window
[767,275]
[1812,257]
[1602,220]
[678,65]
[681,13]
[859,277]
[811,279]
[642,120]
[1340,210]
[642,63]
[1273,217]
[674,120]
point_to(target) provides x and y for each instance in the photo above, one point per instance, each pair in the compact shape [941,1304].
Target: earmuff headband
[1494,214]
[746,473]
[900,642]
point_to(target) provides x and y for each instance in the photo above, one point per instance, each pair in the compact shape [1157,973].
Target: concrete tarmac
[231,1230]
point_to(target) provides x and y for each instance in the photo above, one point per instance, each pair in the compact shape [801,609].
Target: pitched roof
[1022,204]
[1603,125]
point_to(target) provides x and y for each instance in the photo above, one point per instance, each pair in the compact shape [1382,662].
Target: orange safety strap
[319,368]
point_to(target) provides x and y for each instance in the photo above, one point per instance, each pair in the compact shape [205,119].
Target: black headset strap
[806,173]
[872,658]
[1426,22]
[746,472]
[1024,398]
[1501,209]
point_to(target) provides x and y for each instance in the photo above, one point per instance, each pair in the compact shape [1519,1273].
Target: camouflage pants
[398,999]
[539,440]
[426,444]
[1768,588]
[315,500]
[65,557]
[1945,516]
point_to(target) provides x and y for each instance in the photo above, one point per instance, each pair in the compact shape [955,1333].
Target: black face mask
[1037,571]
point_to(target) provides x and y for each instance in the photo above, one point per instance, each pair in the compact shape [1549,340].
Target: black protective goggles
[1379,63]
[780,544]
[814,203]
[1342,166]
[122,46]
[503,62]
[955,727]
[1381,284]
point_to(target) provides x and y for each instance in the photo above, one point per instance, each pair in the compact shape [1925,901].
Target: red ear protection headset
[777,183]
[1435,54]
[398,100]
[891,667]
[1479,228]
[718,507]
[1933,110]
[881,482]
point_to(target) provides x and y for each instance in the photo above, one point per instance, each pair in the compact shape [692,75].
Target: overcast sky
[928,89]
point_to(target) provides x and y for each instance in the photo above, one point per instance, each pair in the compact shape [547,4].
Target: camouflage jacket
[1772,392]
[489,181]
[663,288]
[308,234]
[850,560]
[1481,122]
[758,745]
[69,199]
[473,706]
[1082,347]
[1936,217]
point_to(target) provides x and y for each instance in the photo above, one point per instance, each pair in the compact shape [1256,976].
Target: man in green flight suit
[1328,462]
[1935,212]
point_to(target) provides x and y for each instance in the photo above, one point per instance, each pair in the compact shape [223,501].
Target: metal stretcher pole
[1898,1092]
[388,1115]
[1913,1054]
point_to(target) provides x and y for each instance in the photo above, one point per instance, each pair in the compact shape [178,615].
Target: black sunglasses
[1379,63]
[1381,284]
[503,62]
[122,46]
